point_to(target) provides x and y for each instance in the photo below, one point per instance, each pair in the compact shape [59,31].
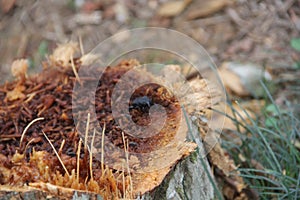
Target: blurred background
[249,40]
[260,33]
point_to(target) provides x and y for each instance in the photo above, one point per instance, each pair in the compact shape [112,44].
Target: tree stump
[38,120]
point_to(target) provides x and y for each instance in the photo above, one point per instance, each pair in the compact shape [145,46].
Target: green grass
[268,139]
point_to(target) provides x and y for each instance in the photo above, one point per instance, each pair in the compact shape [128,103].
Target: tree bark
[188,180]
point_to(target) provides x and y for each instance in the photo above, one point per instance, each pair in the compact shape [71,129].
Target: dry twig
[60,160]
[27,127]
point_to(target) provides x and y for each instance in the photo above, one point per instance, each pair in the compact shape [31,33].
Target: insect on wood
[142,104]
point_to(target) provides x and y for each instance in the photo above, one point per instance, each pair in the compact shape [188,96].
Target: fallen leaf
[173,8]
[232,82]
[205,8]
[241,115]
[243,79]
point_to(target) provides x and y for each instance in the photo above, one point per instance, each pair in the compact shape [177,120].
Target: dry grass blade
[78,160]
[61,146]
[123,179]
[86,132]
[81,46]
[61,162]
[74,70]
[28,144]
[91,155]
[102,149]
[127,162]
[27,127]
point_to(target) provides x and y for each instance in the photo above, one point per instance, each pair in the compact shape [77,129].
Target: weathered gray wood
[188,179]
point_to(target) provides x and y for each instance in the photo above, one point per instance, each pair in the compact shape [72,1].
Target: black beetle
[141,103]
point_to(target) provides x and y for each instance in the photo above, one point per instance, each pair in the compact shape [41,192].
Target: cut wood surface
[43,154]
